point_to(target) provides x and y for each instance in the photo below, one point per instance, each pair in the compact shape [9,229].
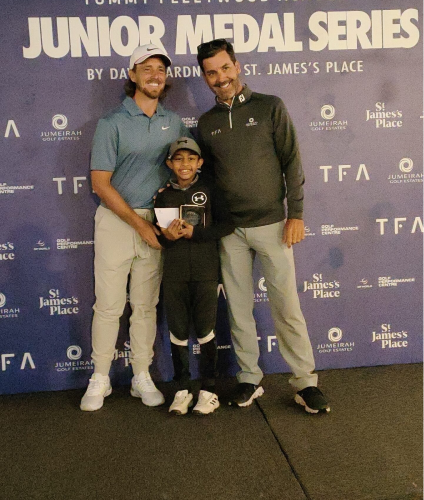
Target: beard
[152,94]
[225,94]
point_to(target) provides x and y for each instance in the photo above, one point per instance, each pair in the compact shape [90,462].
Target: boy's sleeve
[222,222]
[164,242]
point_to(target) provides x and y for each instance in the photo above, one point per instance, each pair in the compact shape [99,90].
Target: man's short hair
[210,49]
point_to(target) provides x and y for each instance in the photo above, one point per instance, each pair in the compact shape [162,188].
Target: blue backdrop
[350,73]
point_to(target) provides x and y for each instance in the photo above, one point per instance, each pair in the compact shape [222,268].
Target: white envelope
[166,215]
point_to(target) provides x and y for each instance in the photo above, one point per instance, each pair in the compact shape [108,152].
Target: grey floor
[368,447]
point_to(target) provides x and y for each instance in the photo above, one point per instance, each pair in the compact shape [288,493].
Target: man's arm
[287,148]
[100,180]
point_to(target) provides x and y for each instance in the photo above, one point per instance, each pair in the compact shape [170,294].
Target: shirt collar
[175,185]
[132,108]
[243,96]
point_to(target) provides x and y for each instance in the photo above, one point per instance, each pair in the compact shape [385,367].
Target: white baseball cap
[143,52]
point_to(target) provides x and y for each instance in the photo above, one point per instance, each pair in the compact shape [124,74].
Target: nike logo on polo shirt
[165,128]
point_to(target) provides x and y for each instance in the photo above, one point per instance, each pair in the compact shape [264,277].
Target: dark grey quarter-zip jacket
[251,150]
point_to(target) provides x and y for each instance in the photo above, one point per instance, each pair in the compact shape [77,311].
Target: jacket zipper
[230,107]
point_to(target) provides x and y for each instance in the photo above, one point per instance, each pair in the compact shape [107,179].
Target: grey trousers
[238,251]
[118,252]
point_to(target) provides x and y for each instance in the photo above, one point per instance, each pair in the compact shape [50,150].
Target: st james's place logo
[335,344]
[322,289]
[386,338]
[406,175]
[123,355]
[57,305]
[383,118]
[7,312]
[60,124]
[328,123]
[7,251]
[261,294]
[74,362]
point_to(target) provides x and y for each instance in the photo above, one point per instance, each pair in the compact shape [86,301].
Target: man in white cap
[128,167]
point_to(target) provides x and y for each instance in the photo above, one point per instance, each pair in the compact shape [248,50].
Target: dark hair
[130,88]
[210,49]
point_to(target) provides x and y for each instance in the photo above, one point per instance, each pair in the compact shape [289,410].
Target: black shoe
[312,399]
[245,394]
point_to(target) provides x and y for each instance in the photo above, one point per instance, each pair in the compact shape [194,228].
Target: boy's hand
[173,231]
[187,230]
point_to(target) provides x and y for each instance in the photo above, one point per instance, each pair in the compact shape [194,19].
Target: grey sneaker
[98,388]
[142,386]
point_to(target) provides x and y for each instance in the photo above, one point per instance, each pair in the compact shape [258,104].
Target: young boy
[191,271]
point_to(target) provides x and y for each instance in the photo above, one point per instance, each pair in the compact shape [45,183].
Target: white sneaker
[207,403]
[98,388]
[182,401]
[142,386]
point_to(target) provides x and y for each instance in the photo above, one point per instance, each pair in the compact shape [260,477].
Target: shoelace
[146,384]
[95,387]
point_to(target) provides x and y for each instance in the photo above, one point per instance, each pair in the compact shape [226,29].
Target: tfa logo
[272,342]
[77,183]
[8,359]
[11,127]
[398,224]
[362,172]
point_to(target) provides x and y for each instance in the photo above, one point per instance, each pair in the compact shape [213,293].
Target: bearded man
[128,167]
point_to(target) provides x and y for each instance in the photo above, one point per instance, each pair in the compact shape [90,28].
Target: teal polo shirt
[134,147]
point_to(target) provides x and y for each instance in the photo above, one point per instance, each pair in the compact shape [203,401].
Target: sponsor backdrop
[350,73]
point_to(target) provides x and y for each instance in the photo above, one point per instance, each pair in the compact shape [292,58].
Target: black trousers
[186,303]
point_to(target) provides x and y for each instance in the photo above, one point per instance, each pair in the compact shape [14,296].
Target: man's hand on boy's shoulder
[160,191]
